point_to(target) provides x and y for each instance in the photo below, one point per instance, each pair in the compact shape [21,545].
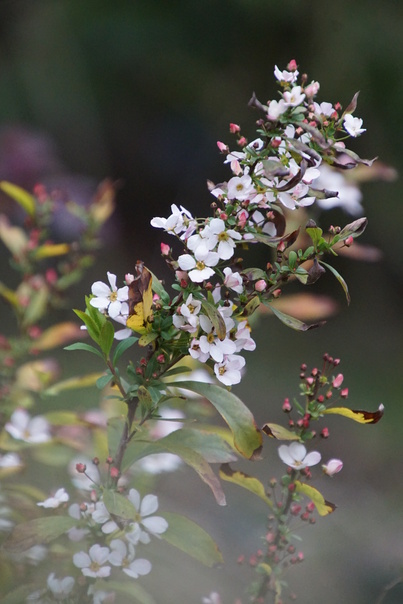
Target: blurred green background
[140,91]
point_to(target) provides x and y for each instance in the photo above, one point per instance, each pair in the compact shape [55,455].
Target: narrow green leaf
[190,538]
[104,380]
[315,233]
[212,447]
[91,325]
[87,347]
[293,322]
[106,337]
[159,289]
[40,530]
[247,437]
[250,483]
[339,279]
[122,347]
[216,319]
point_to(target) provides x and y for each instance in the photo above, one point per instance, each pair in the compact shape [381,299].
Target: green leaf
[216,318]
[159,289]
[212,447]
[122,347]
[40,530]
[339,279]
[127,588]
[87,347]
[251,306]
[104,380]
[106,337]
[91,325]
[293,322]
[247,437]
[250,483]
[118,505]
[191,539]
[21,196]
[324,507]
[315,233]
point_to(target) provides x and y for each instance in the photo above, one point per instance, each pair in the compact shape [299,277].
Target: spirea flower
[352,125]
[93,564]
[332,467]
[108,297]
[199,270]
[229,370]
[31,430]
[296,456]
[54,502]
[155,525]
[123,555]
[60,588]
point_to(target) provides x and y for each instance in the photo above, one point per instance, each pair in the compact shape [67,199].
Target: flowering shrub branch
[202,320]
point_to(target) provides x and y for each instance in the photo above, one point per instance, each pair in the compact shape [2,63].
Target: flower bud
[234,128]
[338,380]
[222,147]
[165,249]
[260,285]
[332,467]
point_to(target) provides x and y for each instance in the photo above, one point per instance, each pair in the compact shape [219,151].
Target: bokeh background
[140,91]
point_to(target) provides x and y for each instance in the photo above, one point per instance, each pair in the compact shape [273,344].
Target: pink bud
[344,393]
[292,65]
[338,380]
[165,249]
[332,467]
[81,467]
[222,147]
[233,128]
[349,241]
[114,472]
[260,285]
[242,141]
[129,278]
[325,433]
[286,405]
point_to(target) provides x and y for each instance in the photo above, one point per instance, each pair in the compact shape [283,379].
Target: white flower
[332,467]
[180,221]
[53,502]
[352,125]
[240,187]
[188,319]
[275,109]
[60,588]
[156,525]
[22,427]
[100,515]
[92,564]
[108,297]
[293,97]
[243,341]
[324,108]
[214,598]
[210,344]
[349,195]
[225,238]
[233,280]
[10,460]
[229,370]
[295,456]
[124,556]
[199,270]
[285,76]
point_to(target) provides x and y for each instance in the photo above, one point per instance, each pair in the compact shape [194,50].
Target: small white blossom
[240,187]
[275,109]
[286,76]
[233,280]
[229,370]
[124,556]
[93,564]
[293,97]
[10,461]
[180,222]
[199,270]
[22,427]
[100,515]
[212,345]
[108,297]
[156,525]
[352,125]
[295,456]
[324,108]
[60,588]
[54,502]
[187,319]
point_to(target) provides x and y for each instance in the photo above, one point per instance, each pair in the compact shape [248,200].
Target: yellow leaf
[8,295]
[279,432]
[13,237]
[250,483]
[58,335]
[84,381]
[360,416]
[21,196]
[324,507]
[140,301]
[48,250]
